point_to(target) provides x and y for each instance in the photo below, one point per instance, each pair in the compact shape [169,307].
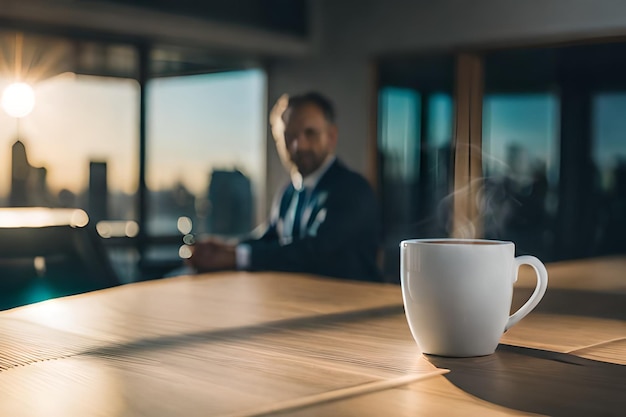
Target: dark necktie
[297,219]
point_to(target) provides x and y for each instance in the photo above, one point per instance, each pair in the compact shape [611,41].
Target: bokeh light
[185,252]
[117,228]
[184,225]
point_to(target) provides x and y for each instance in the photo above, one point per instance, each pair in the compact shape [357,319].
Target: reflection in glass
[609,159]
[399,147]
[414,151]
[400,132]
[521,168]
[436,181]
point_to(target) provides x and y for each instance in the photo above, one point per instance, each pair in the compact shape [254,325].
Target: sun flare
[18,99]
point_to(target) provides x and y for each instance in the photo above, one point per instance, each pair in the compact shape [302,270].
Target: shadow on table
[575,302]
[540,381]
[245,332]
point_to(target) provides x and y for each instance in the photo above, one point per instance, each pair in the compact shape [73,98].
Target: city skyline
[195,124]
[226,207]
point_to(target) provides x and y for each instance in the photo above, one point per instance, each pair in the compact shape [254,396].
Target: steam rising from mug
[488,205]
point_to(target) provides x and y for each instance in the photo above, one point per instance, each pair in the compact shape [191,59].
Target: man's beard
[307,162]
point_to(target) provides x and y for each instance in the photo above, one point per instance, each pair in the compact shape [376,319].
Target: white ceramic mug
[457,293]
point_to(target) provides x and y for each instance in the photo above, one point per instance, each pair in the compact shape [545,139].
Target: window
[205,154]
[609,163]
[415,120]
[553,153]
[79,147]
[82,131]
[521,168]
[400,133]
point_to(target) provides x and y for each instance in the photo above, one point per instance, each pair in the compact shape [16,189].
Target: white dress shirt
[242,251]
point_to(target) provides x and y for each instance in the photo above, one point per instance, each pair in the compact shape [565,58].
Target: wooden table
[241,344]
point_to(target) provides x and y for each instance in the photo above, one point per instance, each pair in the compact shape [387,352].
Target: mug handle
[537,295]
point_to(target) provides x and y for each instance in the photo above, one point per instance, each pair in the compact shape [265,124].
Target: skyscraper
[28,183]
[98,201]
[231,203]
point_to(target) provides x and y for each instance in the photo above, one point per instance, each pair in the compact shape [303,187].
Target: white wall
[350,34]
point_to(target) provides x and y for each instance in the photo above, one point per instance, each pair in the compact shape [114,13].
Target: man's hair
[318,100]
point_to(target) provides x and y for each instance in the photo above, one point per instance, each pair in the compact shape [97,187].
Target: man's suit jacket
[340,230]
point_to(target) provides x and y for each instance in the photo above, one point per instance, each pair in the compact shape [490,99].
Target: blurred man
[325,221]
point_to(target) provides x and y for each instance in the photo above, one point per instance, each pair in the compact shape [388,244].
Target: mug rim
[457,241]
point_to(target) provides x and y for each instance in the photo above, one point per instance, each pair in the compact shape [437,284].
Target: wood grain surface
[243,344]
